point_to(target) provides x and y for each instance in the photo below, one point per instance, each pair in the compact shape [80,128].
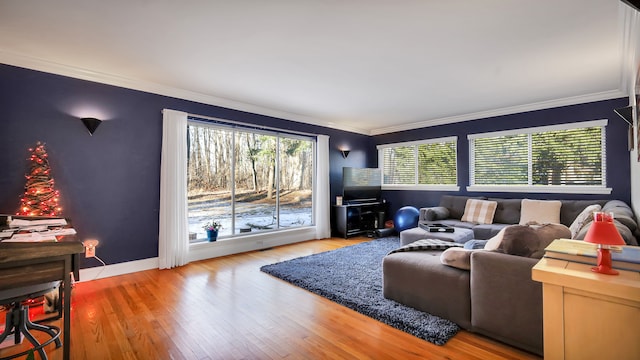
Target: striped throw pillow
[479,211]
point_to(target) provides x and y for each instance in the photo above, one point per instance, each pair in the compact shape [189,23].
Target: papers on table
[24,230]
[40,222]
[30,237]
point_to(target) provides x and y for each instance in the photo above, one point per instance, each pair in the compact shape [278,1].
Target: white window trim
[548,189]
[422,187]
[569,126]
[419,142]
[542,189]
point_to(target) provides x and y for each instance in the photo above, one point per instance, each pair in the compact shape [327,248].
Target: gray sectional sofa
[496,296]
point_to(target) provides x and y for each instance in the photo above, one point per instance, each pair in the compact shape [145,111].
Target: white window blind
[421,163]
[567,156]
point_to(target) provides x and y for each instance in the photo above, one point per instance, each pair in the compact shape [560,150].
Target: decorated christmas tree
[40,198]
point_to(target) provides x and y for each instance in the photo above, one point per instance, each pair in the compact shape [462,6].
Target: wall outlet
[90,251]
[90,248]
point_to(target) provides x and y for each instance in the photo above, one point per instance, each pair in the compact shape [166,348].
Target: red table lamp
[604,233]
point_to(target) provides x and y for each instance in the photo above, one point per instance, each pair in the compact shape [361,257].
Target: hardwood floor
[225,308]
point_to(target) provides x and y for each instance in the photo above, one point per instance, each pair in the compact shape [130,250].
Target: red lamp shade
[604,233]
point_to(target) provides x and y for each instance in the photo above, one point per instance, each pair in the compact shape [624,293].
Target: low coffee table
[459,235]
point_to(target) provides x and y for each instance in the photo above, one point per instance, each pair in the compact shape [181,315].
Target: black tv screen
[361,184]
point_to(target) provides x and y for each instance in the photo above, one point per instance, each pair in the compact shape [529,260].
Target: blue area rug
[352,276]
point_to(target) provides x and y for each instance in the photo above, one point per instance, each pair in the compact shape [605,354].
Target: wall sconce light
[91,124]
[345,153]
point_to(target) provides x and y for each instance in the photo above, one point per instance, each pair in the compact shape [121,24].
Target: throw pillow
[457,257]
[540,211]
[531,240]
[583,218]
[479,211]
[494,242]
[434,213]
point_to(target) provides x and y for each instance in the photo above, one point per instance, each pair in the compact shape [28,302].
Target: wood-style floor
[225,308]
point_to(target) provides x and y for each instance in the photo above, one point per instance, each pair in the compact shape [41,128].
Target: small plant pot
[212,235]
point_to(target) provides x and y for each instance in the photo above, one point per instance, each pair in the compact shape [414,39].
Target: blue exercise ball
[406,218]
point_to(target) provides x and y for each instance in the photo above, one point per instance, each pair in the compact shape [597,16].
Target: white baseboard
[100,272]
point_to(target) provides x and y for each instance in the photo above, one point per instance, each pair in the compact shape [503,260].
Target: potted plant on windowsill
[212,228]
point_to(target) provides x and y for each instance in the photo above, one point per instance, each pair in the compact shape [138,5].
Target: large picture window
[562,158]
[427,164]
[248,180]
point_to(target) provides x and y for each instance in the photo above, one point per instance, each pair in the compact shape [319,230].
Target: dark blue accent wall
[618,163]
[110,182]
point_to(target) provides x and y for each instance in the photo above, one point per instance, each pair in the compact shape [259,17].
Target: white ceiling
[368,66]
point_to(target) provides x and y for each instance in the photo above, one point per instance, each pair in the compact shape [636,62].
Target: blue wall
[618,167]
[109,182]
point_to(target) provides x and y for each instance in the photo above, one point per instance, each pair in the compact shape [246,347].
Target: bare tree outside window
[250,181]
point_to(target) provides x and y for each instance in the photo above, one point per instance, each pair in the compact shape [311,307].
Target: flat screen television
[361,185]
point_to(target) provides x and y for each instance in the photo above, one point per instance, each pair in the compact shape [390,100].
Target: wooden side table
[588,315]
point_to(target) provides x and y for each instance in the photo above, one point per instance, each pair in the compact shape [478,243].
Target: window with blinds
[421,163]
[568,156]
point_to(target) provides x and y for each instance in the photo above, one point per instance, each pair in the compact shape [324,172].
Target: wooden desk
[588,315]
[30,263]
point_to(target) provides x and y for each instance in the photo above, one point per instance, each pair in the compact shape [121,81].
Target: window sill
[546,189]
[422,187]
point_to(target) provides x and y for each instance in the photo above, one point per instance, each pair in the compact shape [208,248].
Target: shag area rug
[352,276]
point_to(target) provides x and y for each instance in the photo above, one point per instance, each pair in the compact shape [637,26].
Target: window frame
[565,189]
[278,134]
[416,186]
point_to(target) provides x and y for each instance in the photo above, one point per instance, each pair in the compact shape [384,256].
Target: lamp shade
[91,124]
[603,231]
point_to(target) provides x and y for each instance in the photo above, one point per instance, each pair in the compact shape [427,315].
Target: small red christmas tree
[40,198]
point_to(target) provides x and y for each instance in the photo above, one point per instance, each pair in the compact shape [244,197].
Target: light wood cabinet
[588,315]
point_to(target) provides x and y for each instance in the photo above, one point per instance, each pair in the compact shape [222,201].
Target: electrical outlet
[90,251]
[90,248]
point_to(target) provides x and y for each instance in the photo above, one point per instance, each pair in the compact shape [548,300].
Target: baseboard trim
[128,267]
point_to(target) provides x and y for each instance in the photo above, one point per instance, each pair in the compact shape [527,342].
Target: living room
[110,181]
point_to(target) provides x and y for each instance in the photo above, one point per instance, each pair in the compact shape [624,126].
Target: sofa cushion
[455,204]
[621,212]
[583,218]
[507,211]
[479,211]
[418,279]
[457,257]
[531,240]
[572,208]
[540,211]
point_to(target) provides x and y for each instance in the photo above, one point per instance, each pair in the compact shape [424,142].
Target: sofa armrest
[505,302]
[434,213]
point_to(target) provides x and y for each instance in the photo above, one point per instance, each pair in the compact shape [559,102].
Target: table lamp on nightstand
[604,233]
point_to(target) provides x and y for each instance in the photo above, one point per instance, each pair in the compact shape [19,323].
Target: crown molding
[606,95]
[23,61]
[27,62]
